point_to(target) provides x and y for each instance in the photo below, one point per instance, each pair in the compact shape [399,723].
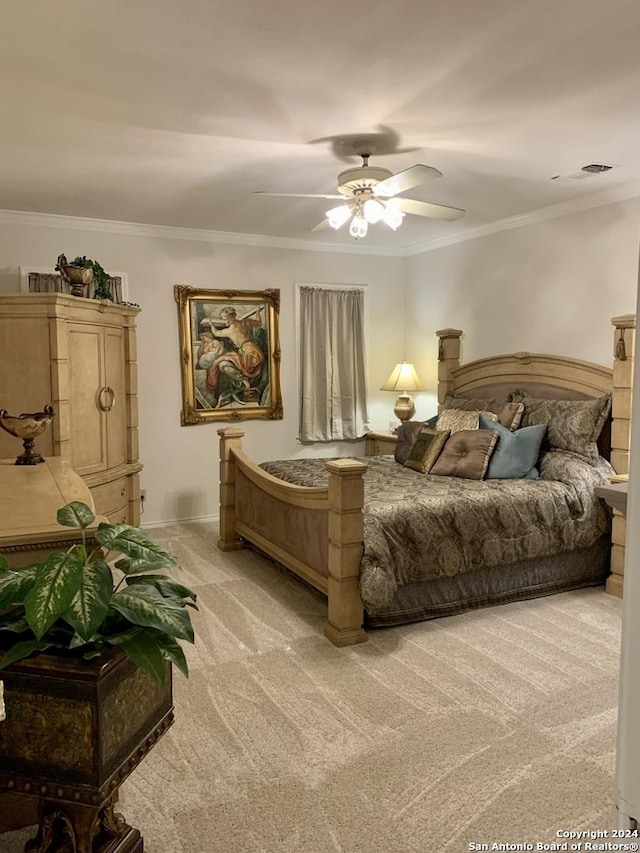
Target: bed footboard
[317,533]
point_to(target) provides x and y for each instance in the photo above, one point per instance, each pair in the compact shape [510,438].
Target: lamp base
[404,408]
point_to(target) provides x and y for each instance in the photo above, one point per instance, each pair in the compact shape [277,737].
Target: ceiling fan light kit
[371,196]
[364,214]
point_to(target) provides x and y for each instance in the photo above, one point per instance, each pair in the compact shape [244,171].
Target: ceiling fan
[371,194]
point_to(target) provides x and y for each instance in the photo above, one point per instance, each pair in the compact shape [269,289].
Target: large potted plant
[87,651]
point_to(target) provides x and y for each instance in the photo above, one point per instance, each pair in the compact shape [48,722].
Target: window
[333,388]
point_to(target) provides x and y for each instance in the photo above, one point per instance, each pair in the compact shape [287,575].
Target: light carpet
[493,726]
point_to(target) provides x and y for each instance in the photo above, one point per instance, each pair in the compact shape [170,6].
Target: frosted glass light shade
[403,378]
[373,210]
[359,226]
[393,216]
[337,216]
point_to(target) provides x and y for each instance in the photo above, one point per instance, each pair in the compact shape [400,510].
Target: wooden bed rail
[341,501]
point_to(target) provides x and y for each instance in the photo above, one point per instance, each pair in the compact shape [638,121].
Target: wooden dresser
[79,355]
[30,497]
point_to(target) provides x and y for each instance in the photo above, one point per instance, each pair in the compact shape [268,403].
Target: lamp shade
[403,378]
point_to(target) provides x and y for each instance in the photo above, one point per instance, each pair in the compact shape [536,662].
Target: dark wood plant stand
[74,731]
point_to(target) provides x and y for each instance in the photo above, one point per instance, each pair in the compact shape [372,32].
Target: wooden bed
[320,530]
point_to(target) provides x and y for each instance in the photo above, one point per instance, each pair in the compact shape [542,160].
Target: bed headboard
[549,376]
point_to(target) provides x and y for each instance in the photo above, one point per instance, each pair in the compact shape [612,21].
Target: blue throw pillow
[432,422]
[516,453]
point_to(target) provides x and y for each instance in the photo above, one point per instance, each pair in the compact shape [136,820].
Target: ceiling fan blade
[427,208]
[299,195]
[321,226]
[406,180]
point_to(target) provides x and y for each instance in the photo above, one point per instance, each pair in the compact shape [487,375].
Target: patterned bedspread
[419,527]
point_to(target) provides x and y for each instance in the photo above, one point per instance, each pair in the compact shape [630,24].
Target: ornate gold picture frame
[230,354]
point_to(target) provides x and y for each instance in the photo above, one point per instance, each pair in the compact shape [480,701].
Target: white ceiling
[173,112]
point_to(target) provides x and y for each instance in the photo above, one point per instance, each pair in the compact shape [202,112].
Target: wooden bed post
[623,360]
[448,359]
[346,533]
[230,439]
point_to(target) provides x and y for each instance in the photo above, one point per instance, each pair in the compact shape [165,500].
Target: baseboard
[202,519]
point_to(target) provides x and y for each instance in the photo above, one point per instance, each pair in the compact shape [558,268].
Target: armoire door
[116,394]
[88,425]
[98,397]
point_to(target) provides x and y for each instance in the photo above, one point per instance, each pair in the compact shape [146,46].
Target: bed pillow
[516,453]
[466,454]
[572,425]
[509,412]
[407,434]
[426,449]
[453,420]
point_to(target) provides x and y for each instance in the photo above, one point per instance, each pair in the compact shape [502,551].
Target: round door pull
[106,398]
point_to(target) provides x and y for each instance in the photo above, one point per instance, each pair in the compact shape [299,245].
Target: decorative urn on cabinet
[27,426]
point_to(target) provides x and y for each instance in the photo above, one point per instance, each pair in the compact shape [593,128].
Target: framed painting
[230,354]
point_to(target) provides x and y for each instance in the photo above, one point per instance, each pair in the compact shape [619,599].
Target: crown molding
[542,214]
[171,232]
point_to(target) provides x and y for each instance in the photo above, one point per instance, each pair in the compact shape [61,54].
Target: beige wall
[549,287]
[181,463]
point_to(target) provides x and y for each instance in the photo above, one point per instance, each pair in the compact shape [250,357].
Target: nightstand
[380,443]
[616,496]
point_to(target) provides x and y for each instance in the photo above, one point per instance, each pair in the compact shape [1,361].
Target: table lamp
[404,379]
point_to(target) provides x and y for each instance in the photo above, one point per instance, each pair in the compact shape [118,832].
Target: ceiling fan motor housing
[361,178]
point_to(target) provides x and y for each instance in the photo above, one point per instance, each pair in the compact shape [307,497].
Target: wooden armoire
[79,355]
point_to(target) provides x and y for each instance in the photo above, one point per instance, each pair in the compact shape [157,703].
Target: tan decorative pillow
[572,425]
[426,449]
[453,420]
[509,413]
[466,454]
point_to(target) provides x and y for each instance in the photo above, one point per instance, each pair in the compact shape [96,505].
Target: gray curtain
[333,400]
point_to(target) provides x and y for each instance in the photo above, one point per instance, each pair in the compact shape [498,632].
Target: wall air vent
[596,168]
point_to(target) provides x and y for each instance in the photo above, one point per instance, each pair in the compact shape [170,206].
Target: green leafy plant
[74,603]
[100,277]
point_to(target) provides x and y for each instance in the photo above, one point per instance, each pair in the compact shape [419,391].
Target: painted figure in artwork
[234,357]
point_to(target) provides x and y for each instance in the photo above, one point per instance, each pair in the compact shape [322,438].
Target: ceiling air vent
[596,168]
[585,172]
